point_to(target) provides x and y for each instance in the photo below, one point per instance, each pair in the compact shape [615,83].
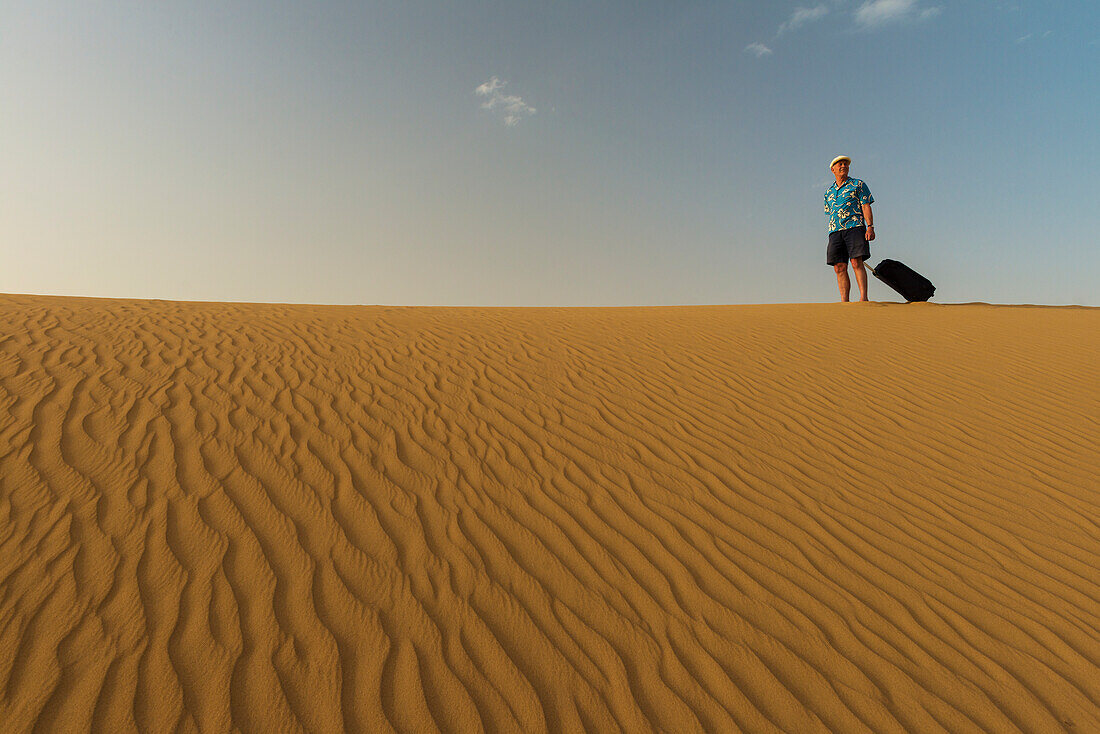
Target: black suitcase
[908,282]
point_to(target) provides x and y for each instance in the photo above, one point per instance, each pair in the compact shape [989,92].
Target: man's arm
[869,220]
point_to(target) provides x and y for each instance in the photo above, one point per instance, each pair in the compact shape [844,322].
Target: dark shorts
[847,244]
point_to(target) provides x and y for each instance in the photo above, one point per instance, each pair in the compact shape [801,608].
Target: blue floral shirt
[844,206]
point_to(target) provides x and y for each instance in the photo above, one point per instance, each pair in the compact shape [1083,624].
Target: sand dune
[275,518]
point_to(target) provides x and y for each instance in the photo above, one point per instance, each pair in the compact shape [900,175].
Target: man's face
[840,168]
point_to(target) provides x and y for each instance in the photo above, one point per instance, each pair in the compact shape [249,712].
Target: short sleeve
[826,202]
[864,195]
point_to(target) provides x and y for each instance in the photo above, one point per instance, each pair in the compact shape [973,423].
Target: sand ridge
[800,518]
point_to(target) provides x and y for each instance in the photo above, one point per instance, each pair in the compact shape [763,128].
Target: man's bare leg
[861,277]
[842,281]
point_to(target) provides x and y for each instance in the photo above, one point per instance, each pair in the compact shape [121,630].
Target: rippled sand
[270,518]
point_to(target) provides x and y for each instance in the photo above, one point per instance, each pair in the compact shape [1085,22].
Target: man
[851,227]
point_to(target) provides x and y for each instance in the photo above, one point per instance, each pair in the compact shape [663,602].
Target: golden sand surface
[804,518]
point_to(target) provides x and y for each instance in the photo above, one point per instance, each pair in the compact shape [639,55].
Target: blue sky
[618,153]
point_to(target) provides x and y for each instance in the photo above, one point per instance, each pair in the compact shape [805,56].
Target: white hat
[839,158]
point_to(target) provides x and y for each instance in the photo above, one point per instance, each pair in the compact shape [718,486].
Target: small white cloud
[489,87]
[758,50]
[802,16]
[877,13]
[512,108]
[1031,36]
[880,12]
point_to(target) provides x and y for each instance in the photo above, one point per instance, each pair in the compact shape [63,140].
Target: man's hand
[870,233]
